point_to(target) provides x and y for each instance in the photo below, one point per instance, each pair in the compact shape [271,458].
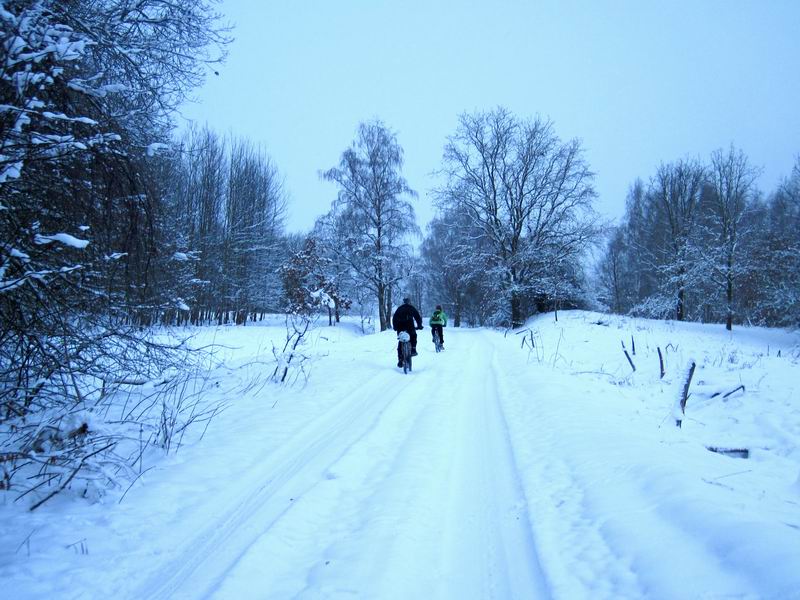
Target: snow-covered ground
[527,465]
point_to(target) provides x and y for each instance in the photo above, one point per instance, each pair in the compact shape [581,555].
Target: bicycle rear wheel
[437,342]
[406,357]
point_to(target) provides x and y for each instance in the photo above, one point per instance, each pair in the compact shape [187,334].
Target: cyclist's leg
[413,333]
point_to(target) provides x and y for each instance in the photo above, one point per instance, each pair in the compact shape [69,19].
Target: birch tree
[255,207]
[372,213]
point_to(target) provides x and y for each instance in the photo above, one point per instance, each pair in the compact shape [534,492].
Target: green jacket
[439,318]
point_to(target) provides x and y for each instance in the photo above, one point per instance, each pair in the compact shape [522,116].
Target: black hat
[406,300]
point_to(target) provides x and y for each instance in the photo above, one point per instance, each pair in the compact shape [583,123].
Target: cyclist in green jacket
[438,322]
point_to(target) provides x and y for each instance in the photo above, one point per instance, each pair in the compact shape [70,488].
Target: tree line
[93,225]
[699,241]
[516,230]
[225,237]
[515,221]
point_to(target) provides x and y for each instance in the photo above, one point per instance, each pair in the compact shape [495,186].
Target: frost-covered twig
[290,356]
[72,475]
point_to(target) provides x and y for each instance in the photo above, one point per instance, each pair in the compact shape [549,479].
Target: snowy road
[408,488]
[494,470]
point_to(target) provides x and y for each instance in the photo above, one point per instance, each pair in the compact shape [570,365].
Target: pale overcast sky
[638,81]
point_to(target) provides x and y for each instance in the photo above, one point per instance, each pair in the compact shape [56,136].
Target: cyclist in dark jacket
[404,319]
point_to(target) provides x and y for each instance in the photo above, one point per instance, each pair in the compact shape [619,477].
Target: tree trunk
[382,317]
[729,296]
[516,310]
[389,307]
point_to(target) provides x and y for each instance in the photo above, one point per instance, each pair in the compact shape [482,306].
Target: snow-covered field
[528,465]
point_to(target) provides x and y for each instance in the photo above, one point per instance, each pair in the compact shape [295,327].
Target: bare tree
[700,243]
[202,197]
[453,280]
[340,281]
[372,217]
[626,268]
[87,87]
[733,183]
[675,192]
[527,192]
[610,271]
[255,206]
[775,279]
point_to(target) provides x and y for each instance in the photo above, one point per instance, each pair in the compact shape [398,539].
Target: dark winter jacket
[404,317]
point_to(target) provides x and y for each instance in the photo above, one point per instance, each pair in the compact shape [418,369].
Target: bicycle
[437,341]
[405,349]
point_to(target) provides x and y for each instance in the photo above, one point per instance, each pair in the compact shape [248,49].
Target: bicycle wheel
[406,357]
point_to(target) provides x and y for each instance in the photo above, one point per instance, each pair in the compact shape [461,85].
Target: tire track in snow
[489,543]
[408,515]
[453,526]
[448,519]
[428,503]
[202,562]
[385,485]
[603,533]
[573,549]
[387,500]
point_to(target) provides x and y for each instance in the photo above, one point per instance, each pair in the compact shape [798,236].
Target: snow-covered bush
[85,87]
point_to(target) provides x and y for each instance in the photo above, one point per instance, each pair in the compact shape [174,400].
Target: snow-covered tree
[254,211]
[372,216]
[199,194]
[528,194]
[775,280]
[452,279]
[85,102]
[732,180]
[227,207]
[700,243]
[674,197]
[308,285]
[611,270]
